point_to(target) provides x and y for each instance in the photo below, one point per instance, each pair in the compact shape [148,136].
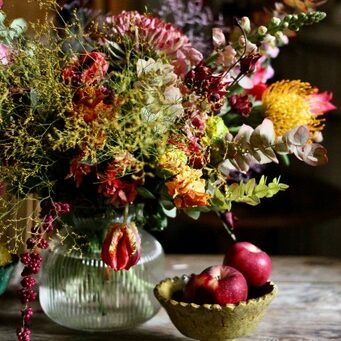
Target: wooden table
[308,306]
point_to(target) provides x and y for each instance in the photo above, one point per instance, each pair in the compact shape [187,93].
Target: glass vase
[79,291]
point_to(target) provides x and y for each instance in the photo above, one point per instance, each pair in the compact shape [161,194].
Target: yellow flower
[187,188]
[286,104]
[172,161]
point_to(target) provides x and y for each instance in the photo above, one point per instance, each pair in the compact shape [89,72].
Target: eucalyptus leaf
[192,213]
[171,213]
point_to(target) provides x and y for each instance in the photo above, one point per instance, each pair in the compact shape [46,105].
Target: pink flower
[4,52]
[1,4]
[218,37]
[121,248]
[156,35]
[227,57]
[320,102]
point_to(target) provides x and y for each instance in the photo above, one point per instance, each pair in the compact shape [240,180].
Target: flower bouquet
[101,113]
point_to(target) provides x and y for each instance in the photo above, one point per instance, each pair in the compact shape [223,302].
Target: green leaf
[193,213]
[261,191]
[171,213]
[250,186]
[145,193]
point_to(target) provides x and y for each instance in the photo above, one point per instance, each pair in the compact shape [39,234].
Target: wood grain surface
[308,306]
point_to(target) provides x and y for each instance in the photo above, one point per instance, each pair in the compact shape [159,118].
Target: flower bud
[262,30]
[276,21]
[121,248]
[218,37]
[245,24]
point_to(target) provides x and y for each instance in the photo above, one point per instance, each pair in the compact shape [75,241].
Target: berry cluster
[32,261]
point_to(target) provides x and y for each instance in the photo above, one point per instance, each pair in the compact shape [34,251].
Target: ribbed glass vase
[81,292]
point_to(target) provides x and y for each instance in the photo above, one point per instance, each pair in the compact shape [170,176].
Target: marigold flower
[287,105]
[121,248]
[173,161]
[187,188]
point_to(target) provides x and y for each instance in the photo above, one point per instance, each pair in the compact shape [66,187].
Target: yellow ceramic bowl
[213,322]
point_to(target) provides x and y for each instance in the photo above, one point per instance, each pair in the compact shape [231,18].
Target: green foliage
[249,193]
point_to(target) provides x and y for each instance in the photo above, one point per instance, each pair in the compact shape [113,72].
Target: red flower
[120,191]
[240,104]
[121,248]
[204,82]
[257,91]
[78,170]
[248,63]
[88,67]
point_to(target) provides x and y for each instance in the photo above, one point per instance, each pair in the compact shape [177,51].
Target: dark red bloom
[204,82]
[248,63]
[78,170]
[121,248]
[87,68]
[240,104]
[120,190]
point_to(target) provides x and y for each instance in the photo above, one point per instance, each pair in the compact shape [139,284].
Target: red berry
[35,263]
[24,334]
[26,295]
[43,244]
[27,314]
[28,282]
[25,258]
[30,242]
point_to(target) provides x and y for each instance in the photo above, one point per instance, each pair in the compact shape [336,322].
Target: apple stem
[228,230]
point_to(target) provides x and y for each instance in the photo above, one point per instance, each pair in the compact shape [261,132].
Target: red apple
[220,284]
[251,261]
